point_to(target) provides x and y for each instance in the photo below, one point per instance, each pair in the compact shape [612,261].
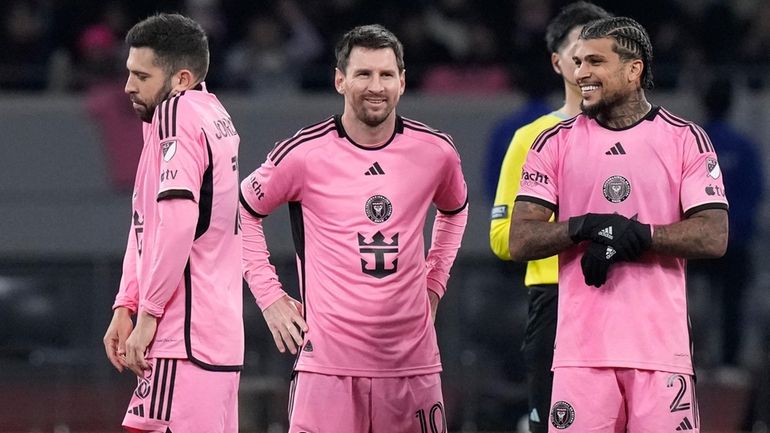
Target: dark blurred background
[70,145]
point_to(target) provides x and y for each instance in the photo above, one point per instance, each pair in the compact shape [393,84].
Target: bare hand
[284,319]
[137,342]
[116,335]
[433,304]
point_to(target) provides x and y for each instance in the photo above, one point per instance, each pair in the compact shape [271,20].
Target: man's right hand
[629,238]
[115,337]
[284,319]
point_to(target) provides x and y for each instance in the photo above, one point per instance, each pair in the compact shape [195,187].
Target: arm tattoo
[532,236]
[703,235]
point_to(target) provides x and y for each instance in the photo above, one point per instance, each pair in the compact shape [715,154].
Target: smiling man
[359,186]
[632,187]
[181,270]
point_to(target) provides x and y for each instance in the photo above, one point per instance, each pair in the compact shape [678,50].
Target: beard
[373,119]
[602,107]
[149,107]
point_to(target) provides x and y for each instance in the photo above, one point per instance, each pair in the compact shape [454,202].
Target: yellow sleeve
[507,188]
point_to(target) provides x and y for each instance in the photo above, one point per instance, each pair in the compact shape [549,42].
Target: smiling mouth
[588,88]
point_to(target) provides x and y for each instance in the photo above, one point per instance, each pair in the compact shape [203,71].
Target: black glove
[628,237]
[596,263]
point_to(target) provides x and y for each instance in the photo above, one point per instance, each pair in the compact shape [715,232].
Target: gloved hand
[628,237]
[596,263]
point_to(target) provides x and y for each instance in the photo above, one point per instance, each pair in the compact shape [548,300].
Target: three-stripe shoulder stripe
[701,138]
[167,117]
[421,127]
[282,148]
[541,139]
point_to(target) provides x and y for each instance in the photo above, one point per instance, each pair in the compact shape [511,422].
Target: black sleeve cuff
[456,211]
[706,206]
[247,207]
[535,200]
[176,193]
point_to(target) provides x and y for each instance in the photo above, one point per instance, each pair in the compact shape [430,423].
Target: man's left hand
[137,342]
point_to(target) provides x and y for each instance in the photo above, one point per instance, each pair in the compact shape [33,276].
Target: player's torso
[363,213]
[636,171]
[192,147]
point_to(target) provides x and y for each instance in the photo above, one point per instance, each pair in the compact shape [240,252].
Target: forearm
[445,242]
[257,271]
[128,291]
[170,252]
[704,235]
[532,240]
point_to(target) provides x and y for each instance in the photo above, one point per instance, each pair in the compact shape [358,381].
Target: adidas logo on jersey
[684,425]
[374,170]
[609,252]
[616,149]
[606,232]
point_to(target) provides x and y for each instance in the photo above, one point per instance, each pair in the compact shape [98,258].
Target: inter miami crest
[616,189]
[562,415]
[378,208]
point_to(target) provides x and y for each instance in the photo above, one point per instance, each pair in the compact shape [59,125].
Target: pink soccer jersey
[661,170]
[358,215]
[187,181]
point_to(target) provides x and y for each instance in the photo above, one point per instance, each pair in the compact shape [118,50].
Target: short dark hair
[178,41]
[574,14]
[631,42]
[372,36]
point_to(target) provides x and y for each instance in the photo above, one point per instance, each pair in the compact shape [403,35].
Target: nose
[582,71]
[130,86]
[375,85]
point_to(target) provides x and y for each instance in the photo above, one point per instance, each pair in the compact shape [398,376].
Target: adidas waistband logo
[374,170]
[137,410]
[616,149]
[684,425]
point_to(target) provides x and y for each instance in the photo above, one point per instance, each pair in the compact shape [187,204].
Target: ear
[339,81]
[635,70]
[402,84]
[182,80]
[555,63]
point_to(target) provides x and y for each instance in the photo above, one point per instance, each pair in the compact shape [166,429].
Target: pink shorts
[177,396]
[333,404]
[615,400]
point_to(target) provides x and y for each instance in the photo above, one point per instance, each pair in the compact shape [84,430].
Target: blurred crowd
[285,46]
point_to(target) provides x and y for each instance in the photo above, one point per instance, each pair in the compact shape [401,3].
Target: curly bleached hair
[631,41]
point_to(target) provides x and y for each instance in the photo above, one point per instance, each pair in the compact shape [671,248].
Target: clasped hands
[613,238]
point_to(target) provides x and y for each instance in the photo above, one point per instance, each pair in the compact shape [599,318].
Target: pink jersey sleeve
[702,182]
[539,174]
[184,156]
[272,185]
[173,240]
[447,235]
[128,292]
[452,194]
[257,270]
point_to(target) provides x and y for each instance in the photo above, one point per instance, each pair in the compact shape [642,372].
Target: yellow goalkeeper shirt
[543,271]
